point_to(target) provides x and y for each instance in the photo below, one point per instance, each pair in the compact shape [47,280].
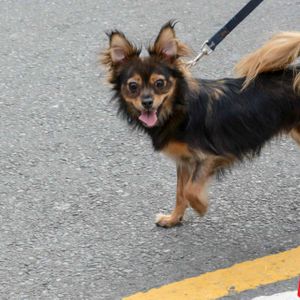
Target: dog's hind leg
[295,134]
[183,174]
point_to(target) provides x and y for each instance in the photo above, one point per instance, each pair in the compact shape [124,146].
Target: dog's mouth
[148,118]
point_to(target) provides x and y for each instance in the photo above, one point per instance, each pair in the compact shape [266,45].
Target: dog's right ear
[167,45]
[119,51]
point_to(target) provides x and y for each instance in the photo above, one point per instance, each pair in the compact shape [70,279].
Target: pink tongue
[149,118]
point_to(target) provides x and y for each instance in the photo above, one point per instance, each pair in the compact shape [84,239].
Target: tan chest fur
[181,151]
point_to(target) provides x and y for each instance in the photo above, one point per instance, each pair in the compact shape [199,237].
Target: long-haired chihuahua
[205,125]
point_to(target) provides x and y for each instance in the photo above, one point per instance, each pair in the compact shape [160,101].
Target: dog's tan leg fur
[295,134]
[195,193]
[196,189]
[192,181]
[183,175]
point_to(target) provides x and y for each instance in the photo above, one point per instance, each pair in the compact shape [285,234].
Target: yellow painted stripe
[240,277]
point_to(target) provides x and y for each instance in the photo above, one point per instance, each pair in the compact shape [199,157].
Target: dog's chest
[180,151]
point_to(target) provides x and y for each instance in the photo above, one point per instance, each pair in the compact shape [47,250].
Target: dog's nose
[147,102]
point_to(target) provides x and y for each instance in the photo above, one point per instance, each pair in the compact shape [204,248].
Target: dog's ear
[167,45]
[120,50]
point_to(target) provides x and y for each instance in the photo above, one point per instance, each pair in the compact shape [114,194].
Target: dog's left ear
[167,45]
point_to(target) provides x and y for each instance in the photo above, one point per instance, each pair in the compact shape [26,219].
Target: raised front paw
[167,221]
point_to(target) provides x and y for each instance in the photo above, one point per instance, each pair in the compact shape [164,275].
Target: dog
[205,126]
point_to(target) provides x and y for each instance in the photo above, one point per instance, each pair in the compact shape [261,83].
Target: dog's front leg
[195,191]
[184,172]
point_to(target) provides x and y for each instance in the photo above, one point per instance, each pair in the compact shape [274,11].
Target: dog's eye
[159,83]
[132,87]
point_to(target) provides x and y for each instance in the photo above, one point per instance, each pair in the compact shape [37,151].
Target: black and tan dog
[205,125]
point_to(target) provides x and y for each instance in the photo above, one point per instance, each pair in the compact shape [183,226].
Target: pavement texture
[79,190]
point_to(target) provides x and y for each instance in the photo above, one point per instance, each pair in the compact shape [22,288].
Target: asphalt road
[79,190]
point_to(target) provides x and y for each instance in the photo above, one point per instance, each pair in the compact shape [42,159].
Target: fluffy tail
[277,54]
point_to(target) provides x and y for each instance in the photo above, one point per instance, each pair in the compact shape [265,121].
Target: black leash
[210,45]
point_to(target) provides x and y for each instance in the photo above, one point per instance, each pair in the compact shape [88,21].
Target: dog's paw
[166,221]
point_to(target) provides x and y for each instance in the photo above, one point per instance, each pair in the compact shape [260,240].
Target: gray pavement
[79,190]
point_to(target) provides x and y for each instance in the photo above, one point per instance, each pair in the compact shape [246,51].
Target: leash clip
[210,45]
[205,50]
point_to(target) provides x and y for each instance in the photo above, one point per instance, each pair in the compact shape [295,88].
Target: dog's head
[147,87]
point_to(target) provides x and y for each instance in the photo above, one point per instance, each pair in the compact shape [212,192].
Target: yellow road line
[240,277]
